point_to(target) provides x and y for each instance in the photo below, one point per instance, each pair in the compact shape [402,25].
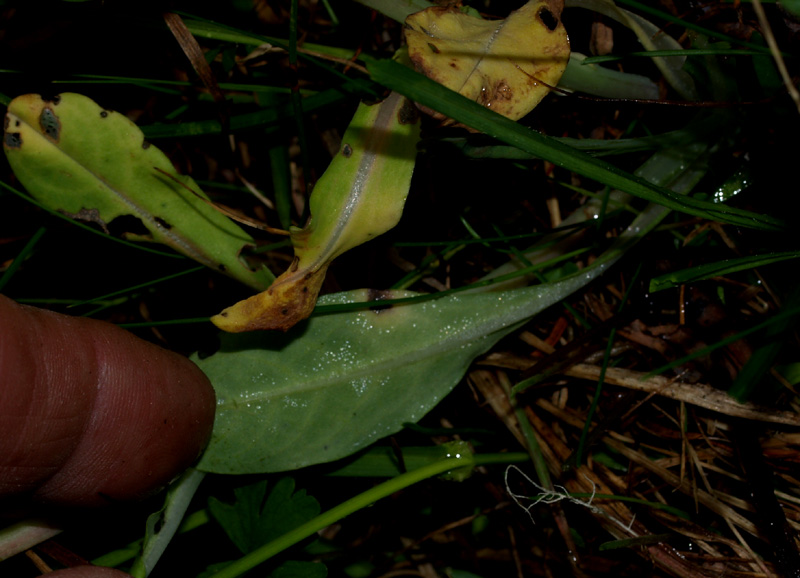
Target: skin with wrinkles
[92,415]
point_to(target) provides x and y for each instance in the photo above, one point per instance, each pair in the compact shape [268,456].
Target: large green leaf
[94,164]
[340,381]
[330,387]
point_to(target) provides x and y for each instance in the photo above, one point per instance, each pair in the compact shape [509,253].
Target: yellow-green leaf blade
[95,165]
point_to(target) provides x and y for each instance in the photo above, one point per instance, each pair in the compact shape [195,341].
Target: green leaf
[162,524]
[432,95]
[252,520]
[338,382]
[95,165]
[725,267]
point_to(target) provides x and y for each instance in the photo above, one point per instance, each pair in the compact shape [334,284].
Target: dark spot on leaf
[55,99]
[222,267]
[305,289]
[408,113]
[13,140]
[284,311]
[223,314]
[434,48]
[377,295]
[145,144]
[162,223]
[347,151]
[548,19]
[103,113]
[48,121]
[17,123]
[159,525]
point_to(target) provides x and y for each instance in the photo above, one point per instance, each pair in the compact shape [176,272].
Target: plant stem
[344,509]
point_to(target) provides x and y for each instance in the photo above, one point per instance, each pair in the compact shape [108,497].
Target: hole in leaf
[127,224]
[548,19]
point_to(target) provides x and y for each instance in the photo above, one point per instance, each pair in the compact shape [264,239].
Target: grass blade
[433,95]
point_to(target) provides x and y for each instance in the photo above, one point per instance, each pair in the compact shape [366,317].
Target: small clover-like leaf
[257,517]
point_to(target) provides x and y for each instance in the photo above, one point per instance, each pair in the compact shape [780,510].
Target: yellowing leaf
[360,196]
[506,65]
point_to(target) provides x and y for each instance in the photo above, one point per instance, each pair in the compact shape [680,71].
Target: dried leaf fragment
[506,65]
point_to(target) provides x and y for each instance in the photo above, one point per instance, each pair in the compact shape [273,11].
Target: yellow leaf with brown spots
[506,65]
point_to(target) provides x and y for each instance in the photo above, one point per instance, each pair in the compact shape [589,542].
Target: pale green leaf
[336,384]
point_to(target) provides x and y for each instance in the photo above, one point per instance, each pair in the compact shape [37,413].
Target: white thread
[557,494]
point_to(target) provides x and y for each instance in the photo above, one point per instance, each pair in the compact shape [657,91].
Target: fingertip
[96,414]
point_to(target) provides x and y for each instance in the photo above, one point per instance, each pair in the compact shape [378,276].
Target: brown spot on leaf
[162,223]
[433,48]
[499,91]
[145,144]
[408,113]
[13,140]
[90,215]
[49,123]
[347,151]
[378,295]
[103,114]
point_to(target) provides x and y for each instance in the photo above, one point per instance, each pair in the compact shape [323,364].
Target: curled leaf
[95,165]
[506,65]
[360,196]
